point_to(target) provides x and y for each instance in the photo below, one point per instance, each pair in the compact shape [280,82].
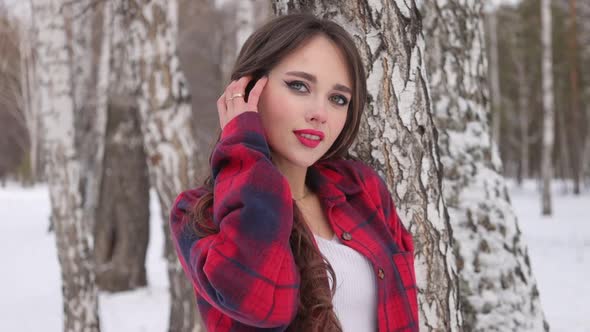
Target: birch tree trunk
[240,18]
[83,24]
[548,118]
[30,95]
[245,18]
[122,228]
[523,120]
[521,115]
[65,173]
[498,291]
[398,138]
[14,141]
[564,149]
[165,114]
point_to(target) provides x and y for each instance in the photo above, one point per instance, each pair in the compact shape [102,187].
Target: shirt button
[381,274]
[346,236]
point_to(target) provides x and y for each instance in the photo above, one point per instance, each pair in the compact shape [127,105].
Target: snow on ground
[559,249]
[30,284]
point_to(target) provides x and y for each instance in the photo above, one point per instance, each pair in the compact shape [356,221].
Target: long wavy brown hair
[263,50]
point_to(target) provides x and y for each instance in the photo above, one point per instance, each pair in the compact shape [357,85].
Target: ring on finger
[235,95]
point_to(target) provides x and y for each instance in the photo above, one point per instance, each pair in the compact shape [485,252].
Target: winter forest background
[107,112]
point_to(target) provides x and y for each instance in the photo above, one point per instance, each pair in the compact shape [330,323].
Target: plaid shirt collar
[329,183]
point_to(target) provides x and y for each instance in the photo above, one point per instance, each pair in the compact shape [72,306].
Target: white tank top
[355,300]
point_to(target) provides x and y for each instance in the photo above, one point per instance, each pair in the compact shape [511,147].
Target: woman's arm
[247,270]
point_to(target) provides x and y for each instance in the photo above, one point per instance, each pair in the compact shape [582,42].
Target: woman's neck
[295,176]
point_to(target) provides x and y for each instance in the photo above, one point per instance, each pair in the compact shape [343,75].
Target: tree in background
[19,125]
[548,118]
[13,125]
[583,11]
[59,51]
[497,289]
[174,155]
[398,138]
[575,129]
[496,97]
[519,42]
[121,232]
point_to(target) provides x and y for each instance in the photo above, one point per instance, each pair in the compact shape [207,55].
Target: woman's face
[304,104]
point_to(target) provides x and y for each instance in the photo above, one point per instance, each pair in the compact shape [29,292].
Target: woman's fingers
[223,105]
[222,111]
[237,95]
[255,94]
[232,101]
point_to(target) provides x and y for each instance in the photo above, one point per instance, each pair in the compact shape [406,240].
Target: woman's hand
[232,103]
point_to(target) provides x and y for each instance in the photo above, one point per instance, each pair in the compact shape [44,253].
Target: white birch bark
[64,169]
[497,287]
[548,117]
[398,138]
[88,74]
[165,113]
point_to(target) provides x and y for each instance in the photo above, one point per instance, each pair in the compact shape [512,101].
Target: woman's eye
[298,86]
[339,100]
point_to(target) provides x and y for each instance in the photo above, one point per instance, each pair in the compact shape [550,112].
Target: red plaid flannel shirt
[245,277]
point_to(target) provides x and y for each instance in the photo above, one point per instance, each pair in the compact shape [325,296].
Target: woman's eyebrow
[313,79]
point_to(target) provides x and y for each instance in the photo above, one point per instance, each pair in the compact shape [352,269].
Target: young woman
[289,233]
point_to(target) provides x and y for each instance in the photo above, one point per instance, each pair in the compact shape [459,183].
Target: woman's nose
[317,112]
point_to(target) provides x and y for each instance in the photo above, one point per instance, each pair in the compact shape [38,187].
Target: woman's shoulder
[355,170]
[186,200]
[350,166]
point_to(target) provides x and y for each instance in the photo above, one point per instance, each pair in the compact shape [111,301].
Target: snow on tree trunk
[65,174]
[398,138]
[165,114]
[497,288]
[548,118]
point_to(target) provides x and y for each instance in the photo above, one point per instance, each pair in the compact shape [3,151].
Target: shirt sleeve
[247,270]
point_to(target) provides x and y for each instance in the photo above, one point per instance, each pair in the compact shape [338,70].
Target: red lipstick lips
[309,137]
